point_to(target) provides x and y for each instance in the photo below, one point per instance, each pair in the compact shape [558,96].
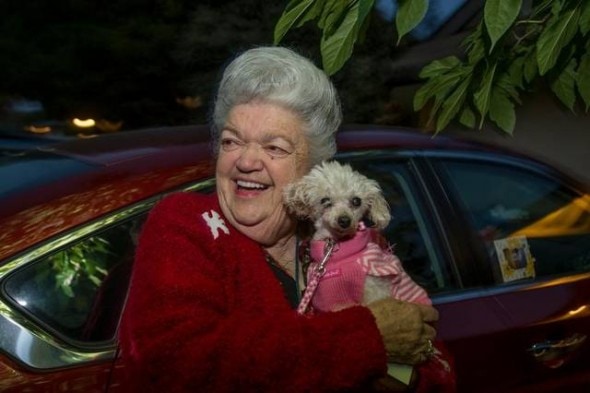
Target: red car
[500,241]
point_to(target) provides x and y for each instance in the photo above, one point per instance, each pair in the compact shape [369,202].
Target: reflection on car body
[501,242]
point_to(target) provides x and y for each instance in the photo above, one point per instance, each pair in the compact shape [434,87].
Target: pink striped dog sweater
[343,282]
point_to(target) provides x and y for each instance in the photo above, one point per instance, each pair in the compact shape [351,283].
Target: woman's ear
[379,211]
[296,198]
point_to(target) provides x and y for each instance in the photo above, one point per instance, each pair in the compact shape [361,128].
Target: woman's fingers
[429,313]
[429,332]
[405,329]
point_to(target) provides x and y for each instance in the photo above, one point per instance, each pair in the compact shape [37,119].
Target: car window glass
[530,225]
[79,291]
[409,233]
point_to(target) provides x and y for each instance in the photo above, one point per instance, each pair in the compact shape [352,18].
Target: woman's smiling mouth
[248,185]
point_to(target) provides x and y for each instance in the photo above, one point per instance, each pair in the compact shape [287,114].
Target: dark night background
[148,63]
[136,60]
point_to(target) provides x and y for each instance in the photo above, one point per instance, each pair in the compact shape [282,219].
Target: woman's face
[262,149]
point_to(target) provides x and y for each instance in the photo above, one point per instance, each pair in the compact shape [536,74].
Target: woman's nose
[250,158]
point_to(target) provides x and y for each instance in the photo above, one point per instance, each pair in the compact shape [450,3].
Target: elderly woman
[217,277]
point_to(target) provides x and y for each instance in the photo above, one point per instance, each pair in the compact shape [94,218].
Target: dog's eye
[356,201]
[326,202]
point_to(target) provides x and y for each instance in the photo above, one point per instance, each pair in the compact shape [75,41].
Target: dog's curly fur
[336,198]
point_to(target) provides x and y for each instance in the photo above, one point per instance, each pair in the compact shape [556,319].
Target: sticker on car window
[514,258]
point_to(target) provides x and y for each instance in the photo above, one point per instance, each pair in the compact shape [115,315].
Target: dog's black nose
[344,221]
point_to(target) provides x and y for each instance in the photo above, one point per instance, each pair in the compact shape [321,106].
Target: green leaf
[312,13]
[556,6]
[541,8]
[327,9]
[483,95]
[68,291]
[476,49]
[95,280]
[437,67]
[333,14]
[505,83]
[362,30]
[502,111]
[365,7]
[499,15]
[452,104]
[559,32]
[564,86]
[583,79]
[516,72]
[585,18]
[438,87]
[530,69]
[424,94]
[295,11]
[337,48]
[409,14]
[467,117]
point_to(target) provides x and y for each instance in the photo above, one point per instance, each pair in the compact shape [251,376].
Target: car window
[79,291]
[530,225]
[409,232]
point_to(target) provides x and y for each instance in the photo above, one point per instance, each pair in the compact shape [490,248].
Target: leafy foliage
[85,260]
[342,23]
[513,48]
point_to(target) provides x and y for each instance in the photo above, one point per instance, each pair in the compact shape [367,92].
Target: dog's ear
[296,198]
[379,211]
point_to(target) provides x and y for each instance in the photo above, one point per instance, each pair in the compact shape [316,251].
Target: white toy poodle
[349,267]
[354,268]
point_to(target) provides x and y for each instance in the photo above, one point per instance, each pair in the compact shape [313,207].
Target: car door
[418,234]
[516,334]
[528,229]
[60,308]
[61,302]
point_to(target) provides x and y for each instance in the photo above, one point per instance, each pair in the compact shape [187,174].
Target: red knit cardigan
[205,313]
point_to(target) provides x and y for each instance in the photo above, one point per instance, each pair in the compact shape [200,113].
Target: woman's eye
[276,151]
[356,201]
[228,144]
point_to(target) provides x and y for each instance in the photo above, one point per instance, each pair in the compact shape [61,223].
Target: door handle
[554,354]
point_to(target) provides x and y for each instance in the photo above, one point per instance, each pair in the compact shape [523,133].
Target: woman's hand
[406,329]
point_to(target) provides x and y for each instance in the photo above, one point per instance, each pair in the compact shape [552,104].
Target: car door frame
[500,327]
[63,357]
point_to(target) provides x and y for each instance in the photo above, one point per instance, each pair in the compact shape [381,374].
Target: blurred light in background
[83,123]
